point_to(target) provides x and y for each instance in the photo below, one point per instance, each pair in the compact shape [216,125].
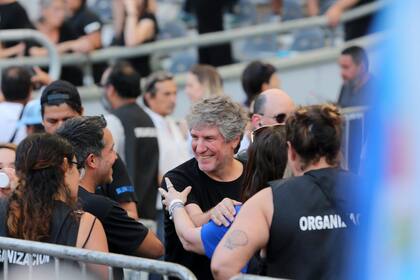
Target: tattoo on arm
[236,239]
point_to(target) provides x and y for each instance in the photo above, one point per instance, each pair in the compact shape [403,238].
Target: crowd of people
[254,187]
[75,27]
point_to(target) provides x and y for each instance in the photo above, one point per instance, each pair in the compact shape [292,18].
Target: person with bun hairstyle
[302,222]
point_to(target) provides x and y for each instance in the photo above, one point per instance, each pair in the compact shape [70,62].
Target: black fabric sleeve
[180,182]
[121,189]
[91,22]
[123,233]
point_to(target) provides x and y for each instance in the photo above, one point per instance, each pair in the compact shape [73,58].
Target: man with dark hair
[134,132]
[357,90]
[357,81]
[16,88]
[94,148]
[61,101]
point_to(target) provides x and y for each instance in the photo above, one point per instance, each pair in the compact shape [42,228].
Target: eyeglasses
[280,118]
[257,131]
[80,168]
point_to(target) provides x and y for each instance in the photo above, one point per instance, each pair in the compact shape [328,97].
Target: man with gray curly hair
[216,125]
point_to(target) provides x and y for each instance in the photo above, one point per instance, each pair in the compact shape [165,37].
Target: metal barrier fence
[52,60]
[87,256]
[167,46]
[352,114]
[253,277]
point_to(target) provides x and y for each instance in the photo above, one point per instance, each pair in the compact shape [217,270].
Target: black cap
[59,92]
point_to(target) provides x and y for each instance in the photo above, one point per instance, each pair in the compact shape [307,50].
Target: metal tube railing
[166,46]
[94,257]
[52,60]
[253,277]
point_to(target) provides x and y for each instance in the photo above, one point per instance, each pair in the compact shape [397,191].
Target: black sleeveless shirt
[64,229]
[312,218]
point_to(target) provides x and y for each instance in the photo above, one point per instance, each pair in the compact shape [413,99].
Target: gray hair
[220,111]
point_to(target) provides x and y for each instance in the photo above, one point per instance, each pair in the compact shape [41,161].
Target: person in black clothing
[216,125]
[87,27]
[13,16]
[303,222]
[357,90]
[139,27]
[51,23]
[94,147]
[61,101]
[134,132]
[209,15]
[43,205]
[352,29]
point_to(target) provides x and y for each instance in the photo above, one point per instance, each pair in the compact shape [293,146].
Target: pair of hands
[223,213]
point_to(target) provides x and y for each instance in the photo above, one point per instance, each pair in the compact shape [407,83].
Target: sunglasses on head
[280,118]
[255,133]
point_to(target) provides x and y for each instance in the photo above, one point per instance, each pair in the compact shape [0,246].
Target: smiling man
[216,125]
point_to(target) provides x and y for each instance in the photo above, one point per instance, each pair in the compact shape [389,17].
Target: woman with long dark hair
[43,205]
[267,161]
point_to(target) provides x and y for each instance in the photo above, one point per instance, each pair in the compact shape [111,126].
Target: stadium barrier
[83,256]
[167,46]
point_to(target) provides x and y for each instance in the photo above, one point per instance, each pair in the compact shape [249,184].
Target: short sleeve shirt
[121,189]
[206,193]
[84,22]
[123,233]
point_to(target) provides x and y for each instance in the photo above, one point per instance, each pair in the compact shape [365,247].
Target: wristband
[176,203]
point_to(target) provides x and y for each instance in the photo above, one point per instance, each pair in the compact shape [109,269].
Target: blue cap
[32,113]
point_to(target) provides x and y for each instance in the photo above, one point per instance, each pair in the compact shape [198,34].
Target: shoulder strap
[17,125]
[3,213]
[90,232]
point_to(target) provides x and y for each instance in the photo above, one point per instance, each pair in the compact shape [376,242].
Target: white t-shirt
[9,122]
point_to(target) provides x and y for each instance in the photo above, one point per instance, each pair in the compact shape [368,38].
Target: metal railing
[166,46]
[52,60]
[253,277]
[88,256]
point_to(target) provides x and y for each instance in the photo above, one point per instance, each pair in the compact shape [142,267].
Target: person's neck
[361,80]
[322,163]
[118,103]
[231,171]
[88,184]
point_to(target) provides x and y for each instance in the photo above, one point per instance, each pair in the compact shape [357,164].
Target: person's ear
[256,121]
[265,86]
[65,165]
[91,161]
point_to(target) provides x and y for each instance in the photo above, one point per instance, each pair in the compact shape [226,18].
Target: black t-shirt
[84,22]
[360,26]
[123,233]
[141,63]
[141,155]
[206,193]
[13,16]
[121,189]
